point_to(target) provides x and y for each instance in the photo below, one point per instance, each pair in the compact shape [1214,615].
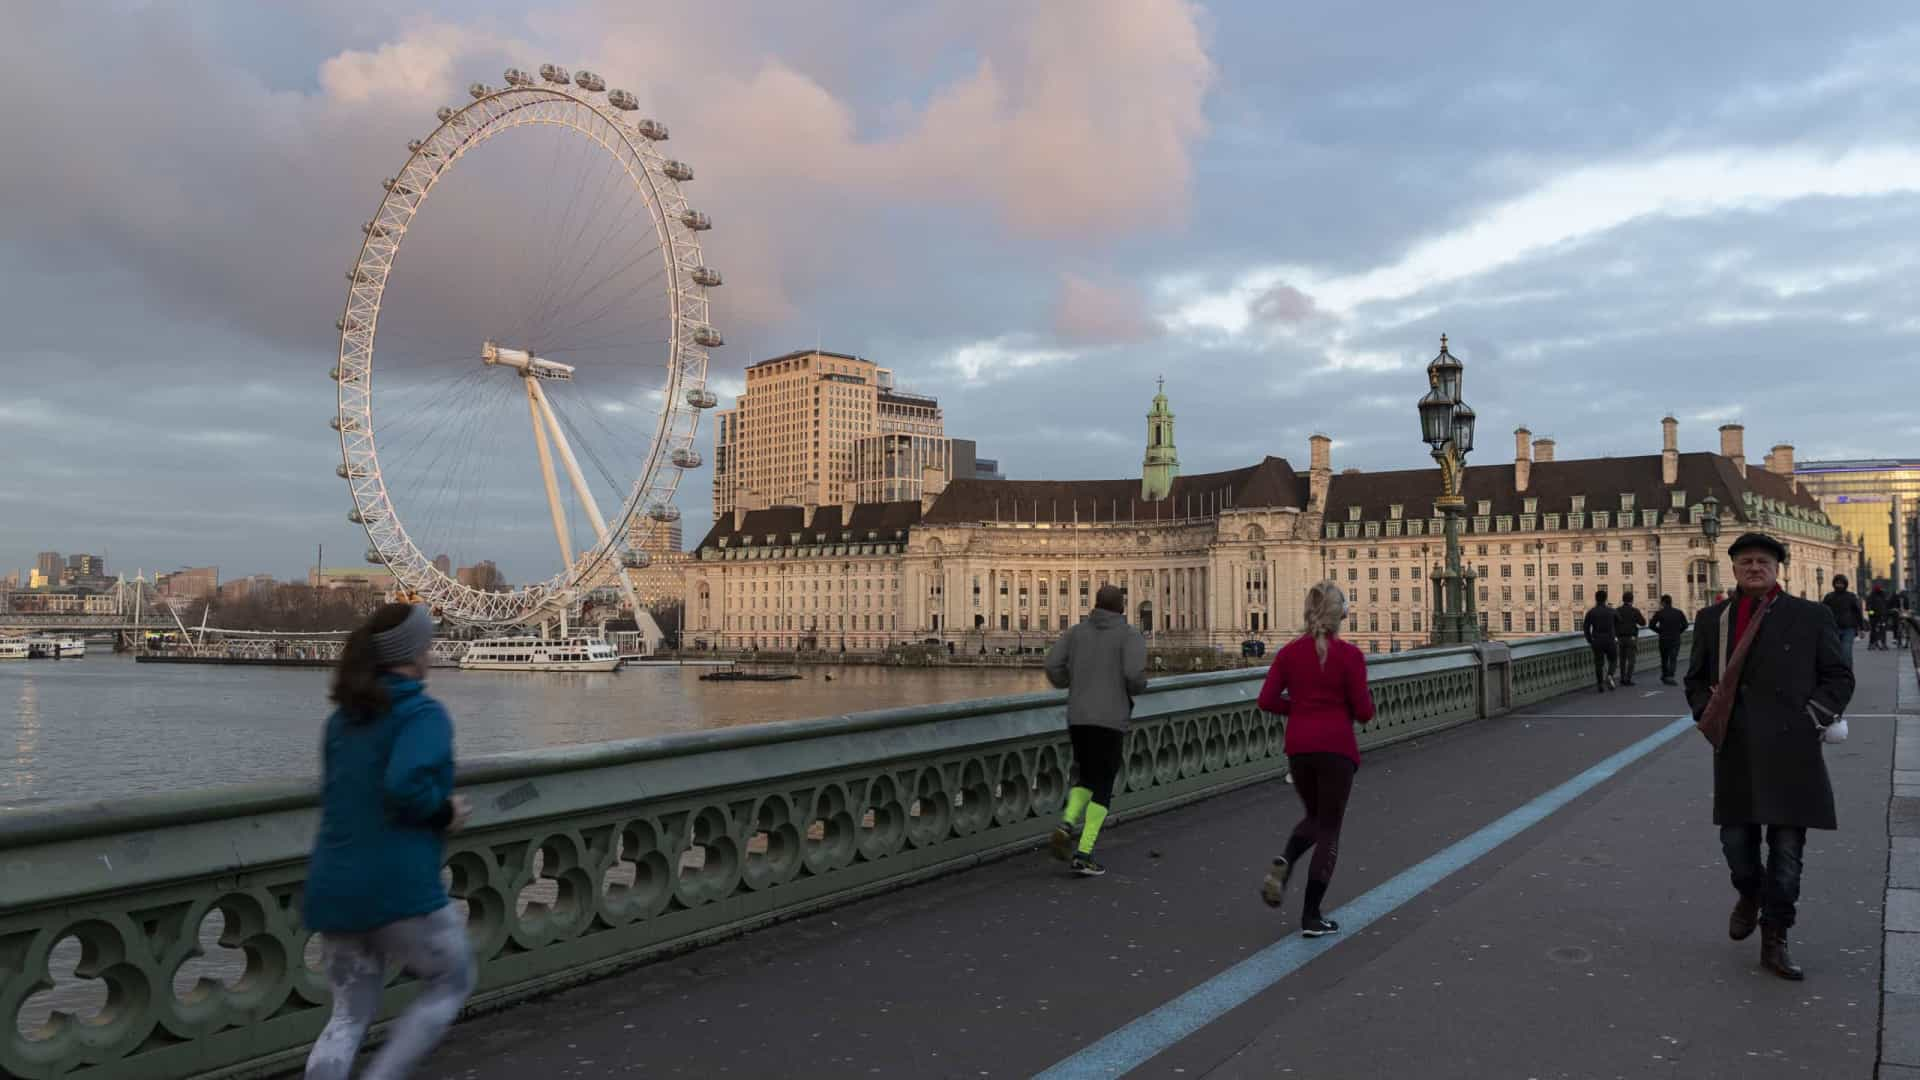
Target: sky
[1032,211]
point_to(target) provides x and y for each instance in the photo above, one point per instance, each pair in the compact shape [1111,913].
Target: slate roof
[1554,483]
[781,522]
[1271,483]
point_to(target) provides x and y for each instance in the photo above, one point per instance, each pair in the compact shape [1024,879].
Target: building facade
[1877,501]
[192,583]
[1226,556]
[661,581]
[815,428]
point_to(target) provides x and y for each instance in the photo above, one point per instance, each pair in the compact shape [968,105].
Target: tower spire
[1162,462]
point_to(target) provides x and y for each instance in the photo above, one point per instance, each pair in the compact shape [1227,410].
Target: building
[368,578]
[49,565]
[444,565]
[239,589]
[482,575]
[1876,501]
[82,568]
[661,581]
[986,468]
[1224,556]
[192,583]
[818,427]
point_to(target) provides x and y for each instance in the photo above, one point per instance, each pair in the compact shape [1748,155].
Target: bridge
[76,623]
[1529,886]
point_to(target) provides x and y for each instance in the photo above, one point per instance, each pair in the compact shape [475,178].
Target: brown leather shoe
[1775,957]
[1746,916]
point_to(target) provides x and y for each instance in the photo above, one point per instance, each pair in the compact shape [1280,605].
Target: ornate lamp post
[1446,425]
[1710,528]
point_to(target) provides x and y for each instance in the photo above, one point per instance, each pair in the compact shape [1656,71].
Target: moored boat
[579,653]
[14,649]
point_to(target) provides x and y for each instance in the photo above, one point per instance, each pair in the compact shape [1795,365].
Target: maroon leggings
[1324,781]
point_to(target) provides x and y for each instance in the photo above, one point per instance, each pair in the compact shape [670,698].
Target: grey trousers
[434,947]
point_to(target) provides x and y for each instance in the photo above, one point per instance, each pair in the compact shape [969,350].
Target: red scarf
[1745,606]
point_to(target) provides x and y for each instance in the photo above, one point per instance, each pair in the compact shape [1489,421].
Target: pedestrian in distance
[1627,622]
[1897,613]
[1668,624]
[1602,632]
[373,888]
[1877,619]
[1767,684]
[1319,683]
[1847,614]
[1102,664]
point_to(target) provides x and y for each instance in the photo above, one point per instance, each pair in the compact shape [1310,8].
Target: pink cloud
[1091,313]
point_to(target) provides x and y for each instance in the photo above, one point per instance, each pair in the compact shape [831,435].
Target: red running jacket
[1322,702]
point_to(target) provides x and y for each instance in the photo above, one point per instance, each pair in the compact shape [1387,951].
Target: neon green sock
[1077,800]
[1096,814]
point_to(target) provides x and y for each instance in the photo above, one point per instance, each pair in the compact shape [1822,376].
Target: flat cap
[1758,540]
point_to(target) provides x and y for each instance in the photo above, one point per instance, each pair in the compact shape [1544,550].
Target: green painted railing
[179,914]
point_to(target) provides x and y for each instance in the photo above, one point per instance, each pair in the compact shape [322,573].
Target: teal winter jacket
[383,811]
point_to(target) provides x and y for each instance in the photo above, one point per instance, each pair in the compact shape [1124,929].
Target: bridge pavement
[1591,943]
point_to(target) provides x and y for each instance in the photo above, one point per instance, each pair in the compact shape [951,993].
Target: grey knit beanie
[408,640]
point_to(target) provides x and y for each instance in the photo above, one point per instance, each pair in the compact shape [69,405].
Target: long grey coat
[1770,770]
[1102,663]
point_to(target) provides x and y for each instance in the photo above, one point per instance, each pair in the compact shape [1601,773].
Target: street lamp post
[1446,425]
[1710,528]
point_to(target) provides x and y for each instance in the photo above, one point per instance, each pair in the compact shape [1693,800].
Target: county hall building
[1218,558]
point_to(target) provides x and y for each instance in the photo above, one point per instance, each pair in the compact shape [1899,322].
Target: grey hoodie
[1102,663]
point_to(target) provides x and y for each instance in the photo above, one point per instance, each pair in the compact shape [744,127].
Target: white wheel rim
[499,110]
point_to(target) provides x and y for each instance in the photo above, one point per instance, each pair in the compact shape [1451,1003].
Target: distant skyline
[1029,211]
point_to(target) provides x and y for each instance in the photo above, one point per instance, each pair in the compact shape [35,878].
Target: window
[1483,595]
[1600,519]
[1599,545]
[1395,622]
[1393,511]
[1416,620]
[1600,569]
[1626,503]
[1482,550]
[1527,570]
[1530,594]
[1506,594]
[1415,597]
[1394,573]
[1626,568]
[1579,594]
[1553,622]
[1579,569]
[1506,622]
[1373,620]
[1395,596]
[1553,594]
[1579,503]
[1506,570]
[1553,569]
[1373,573]
[1529,506]
[1353,573]
[1530,627]
[1626,544]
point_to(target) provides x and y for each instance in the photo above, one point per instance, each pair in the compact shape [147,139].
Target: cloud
[992,361]
[1282,303]
[1090,313]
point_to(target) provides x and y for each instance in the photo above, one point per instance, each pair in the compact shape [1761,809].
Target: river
[106,727]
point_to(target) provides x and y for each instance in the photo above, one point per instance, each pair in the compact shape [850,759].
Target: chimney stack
[739,517]
[1320,453]
[1543,449]
[1780,461]
[1669,451]
[1320,474]
[1522,458]
[1733,444]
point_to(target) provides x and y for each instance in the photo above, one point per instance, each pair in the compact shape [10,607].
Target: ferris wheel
[542,358]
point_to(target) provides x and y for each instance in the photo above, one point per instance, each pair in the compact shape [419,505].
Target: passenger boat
[750,673]
[583,653]
[14,649]
[56,648]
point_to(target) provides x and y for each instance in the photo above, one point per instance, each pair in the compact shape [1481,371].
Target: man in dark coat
[1769,773]
[1627,622]
[1877,619]
[1847,615]
[1669,625]
[1603,638]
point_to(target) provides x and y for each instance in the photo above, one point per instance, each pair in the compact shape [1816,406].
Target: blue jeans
[1775,883]
[1846,645]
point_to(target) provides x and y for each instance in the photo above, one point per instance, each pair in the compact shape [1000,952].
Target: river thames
[105,727]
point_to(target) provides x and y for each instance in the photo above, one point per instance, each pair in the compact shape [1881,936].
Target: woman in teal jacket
[373,883]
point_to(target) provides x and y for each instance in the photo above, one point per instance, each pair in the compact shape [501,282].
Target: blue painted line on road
[1126,1049]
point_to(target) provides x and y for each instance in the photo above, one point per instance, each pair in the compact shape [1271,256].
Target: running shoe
[1084,866]
[1061,842]
[1315,926]
[1273,888]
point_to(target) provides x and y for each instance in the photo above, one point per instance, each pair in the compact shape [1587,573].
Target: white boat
[56,648]
[14,649]
[539,654]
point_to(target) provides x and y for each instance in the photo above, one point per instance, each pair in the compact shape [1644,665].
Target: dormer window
[1529,506]
[1353,513]
[1626,502]
[1579,504]
[1486,507]
[1393,512]
[1679,500]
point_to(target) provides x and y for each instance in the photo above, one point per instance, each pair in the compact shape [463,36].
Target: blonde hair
[1326,606]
